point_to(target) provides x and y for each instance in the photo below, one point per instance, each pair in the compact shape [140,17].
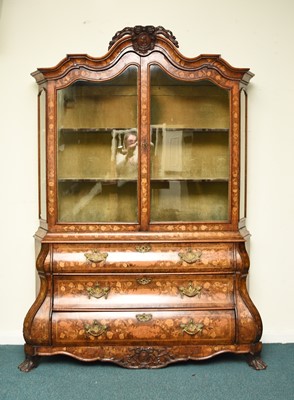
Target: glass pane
[42,165]
[97,150]
[190,150]
[243,139]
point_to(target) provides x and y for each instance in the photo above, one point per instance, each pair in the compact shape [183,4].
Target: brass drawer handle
[144,317]
[190,256]
[97,291]
[96,329]
[143,248]
[190,290]
[95,256]
[191,328]
[144,281]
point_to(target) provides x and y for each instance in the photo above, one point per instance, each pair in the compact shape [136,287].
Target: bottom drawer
[77,328]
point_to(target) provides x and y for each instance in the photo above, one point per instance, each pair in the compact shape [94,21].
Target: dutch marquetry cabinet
[141,250]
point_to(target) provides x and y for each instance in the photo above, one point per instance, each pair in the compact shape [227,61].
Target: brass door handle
[97,291]
[190,256]
[190,290]
[191,328]
[95,329]
[96,256]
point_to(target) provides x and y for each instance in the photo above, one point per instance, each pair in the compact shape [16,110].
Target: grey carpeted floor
[222,377]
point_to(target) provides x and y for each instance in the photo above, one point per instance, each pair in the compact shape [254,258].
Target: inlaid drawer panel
[152,327]
[132,257]
[135,291]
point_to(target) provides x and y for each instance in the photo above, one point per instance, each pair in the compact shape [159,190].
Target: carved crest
[143,37]
[147,357]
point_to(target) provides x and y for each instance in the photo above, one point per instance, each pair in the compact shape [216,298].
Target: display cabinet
[141,250]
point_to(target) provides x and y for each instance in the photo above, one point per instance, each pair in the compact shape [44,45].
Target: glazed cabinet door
[190,149]
[143,147]
[97,153]
[144,143]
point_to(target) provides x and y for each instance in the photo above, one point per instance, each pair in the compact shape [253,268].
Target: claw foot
[255,361]
[28,364]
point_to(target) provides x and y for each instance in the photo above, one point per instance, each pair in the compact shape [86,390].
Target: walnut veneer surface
[154,279]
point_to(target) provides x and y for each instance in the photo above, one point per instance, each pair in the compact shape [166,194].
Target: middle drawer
[141,291]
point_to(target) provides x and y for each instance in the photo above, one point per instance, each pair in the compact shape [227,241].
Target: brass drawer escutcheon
[144,317]
[191,328]
[97,291]
[96,256]
[143,248]
[190,290]
[144,281]
[96,329]
[190,256]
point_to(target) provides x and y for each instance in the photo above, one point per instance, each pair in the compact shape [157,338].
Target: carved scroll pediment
[143,37]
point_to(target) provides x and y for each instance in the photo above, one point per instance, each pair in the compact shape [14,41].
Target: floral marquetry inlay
[161,291]
[113,326]
[148,269]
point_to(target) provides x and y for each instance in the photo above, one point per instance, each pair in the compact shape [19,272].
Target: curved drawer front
[129,257]
[135,291]
[136,327]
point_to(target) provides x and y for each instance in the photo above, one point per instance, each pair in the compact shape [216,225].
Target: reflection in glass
[190,150]
[127,155]
[97,165]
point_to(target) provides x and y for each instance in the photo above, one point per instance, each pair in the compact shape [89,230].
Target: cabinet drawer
[130,257]
[138,326]
[135,291]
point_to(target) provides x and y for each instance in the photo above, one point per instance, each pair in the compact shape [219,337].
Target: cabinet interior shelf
[114,181]
[167,128]
[89,130]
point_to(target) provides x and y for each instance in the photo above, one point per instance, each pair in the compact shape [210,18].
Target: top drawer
[132,257]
